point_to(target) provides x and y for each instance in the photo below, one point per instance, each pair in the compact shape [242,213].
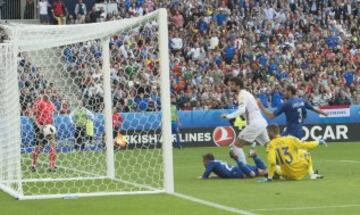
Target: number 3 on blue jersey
[300,112]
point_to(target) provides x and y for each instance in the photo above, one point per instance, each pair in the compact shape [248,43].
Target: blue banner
[146,121]
[211,118]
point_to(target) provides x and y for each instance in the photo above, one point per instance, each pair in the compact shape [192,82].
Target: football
[49,130]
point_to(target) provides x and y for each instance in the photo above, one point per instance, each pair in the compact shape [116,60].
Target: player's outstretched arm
[207,172]
[238,112]
[315,109]
[321,112]
[263,109]
[308,144]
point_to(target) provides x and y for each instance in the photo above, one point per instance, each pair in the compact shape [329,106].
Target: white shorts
[255,132]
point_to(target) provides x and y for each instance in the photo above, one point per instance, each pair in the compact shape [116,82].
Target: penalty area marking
[213,204]
[307,208]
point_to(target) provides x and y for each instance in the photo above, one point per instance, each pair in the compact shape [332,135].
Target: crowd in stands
[312,44]
[33,85]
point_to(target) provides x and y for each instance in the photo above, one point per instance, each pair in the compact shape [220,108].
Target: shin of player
[42,140]
[52,153]
[255,130]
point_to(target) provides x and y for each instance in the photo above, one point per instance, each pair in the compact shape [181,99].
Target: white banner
[337,112]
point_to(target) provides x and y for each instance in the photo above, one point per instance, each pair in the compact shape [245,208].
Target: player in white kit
[255,129]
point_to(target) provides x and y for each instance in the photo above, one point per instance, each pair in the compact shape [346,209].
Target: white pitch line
[307,208]
[349,161]
[342,161]
[213,204]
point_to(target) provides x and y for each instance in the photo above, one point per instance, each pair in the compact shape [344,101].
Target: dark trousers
[80,137]
[40,139]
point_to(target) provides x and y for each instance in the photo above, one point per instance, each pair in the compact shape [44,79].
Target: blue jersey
[222,169]
[295,112]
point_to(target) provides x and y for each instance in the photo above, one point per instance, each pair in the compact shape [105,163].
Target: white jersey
[255,130]
[248,107]
[43,7]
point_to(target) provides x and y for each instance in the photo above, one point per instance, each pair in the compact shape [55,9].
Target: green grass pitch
[338,193]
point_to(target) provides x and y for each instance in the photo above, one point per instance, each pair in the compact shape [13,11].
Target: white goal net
[85,109]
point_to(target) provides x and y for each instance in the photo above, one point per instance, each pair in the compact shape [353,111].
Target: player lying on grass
[224,170]
[288,156]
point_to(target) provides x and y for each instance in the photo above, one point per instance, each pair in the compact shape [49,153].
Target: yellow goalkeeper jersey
[291,155]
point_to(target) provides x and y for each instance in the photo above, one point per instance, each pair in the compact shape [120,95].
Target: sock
[243,167]
[259,163]
[82,148]
[311,170]
[177,141]
[35,155]
[52,156]
[240,153]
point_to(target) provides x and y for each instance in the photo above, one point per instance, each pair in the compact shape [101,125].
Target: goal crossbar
[42,36]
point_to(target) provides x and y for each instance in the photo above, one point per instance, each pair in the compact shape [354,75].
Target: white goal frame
[18,42]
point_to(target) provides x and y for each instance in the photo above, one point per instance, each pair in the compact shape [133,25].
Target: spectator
[29,9]
[59,12]
[65,107]
[177,19]
[43,11]
[277,97]
[93,15]
[263,96]
[310,45]
[80,12]
[229,53]
[176,42]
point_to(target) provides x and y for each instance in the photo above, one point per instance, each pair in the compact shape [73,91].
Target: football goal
[85,109]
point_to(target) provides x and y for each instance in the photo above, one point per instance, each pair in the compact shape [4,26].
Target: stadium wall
[205,128]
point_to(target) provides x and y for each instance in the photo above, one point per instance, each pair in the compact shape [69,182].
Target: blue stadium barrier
[152,121]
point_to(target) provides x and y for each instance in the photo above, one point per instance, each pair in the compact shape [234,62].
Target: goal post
[165,100]
[109,142]
[10,166]
[109,88]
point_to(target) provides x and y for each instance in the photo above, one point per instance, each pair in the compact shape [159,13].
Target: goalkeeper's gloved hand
[323,142]
[264,180]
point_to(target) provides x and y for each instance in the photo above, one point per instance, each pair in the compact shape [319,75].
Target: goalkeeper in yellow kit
[288,156]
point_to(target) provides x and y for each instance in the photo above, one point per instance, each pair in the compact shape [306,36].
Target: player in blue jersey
[295,112]
[223,170]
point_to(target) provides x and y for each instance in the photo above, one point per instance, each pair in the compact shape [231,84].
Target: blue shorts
[237,173]
[255,169]
[44,18]
[174,127]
